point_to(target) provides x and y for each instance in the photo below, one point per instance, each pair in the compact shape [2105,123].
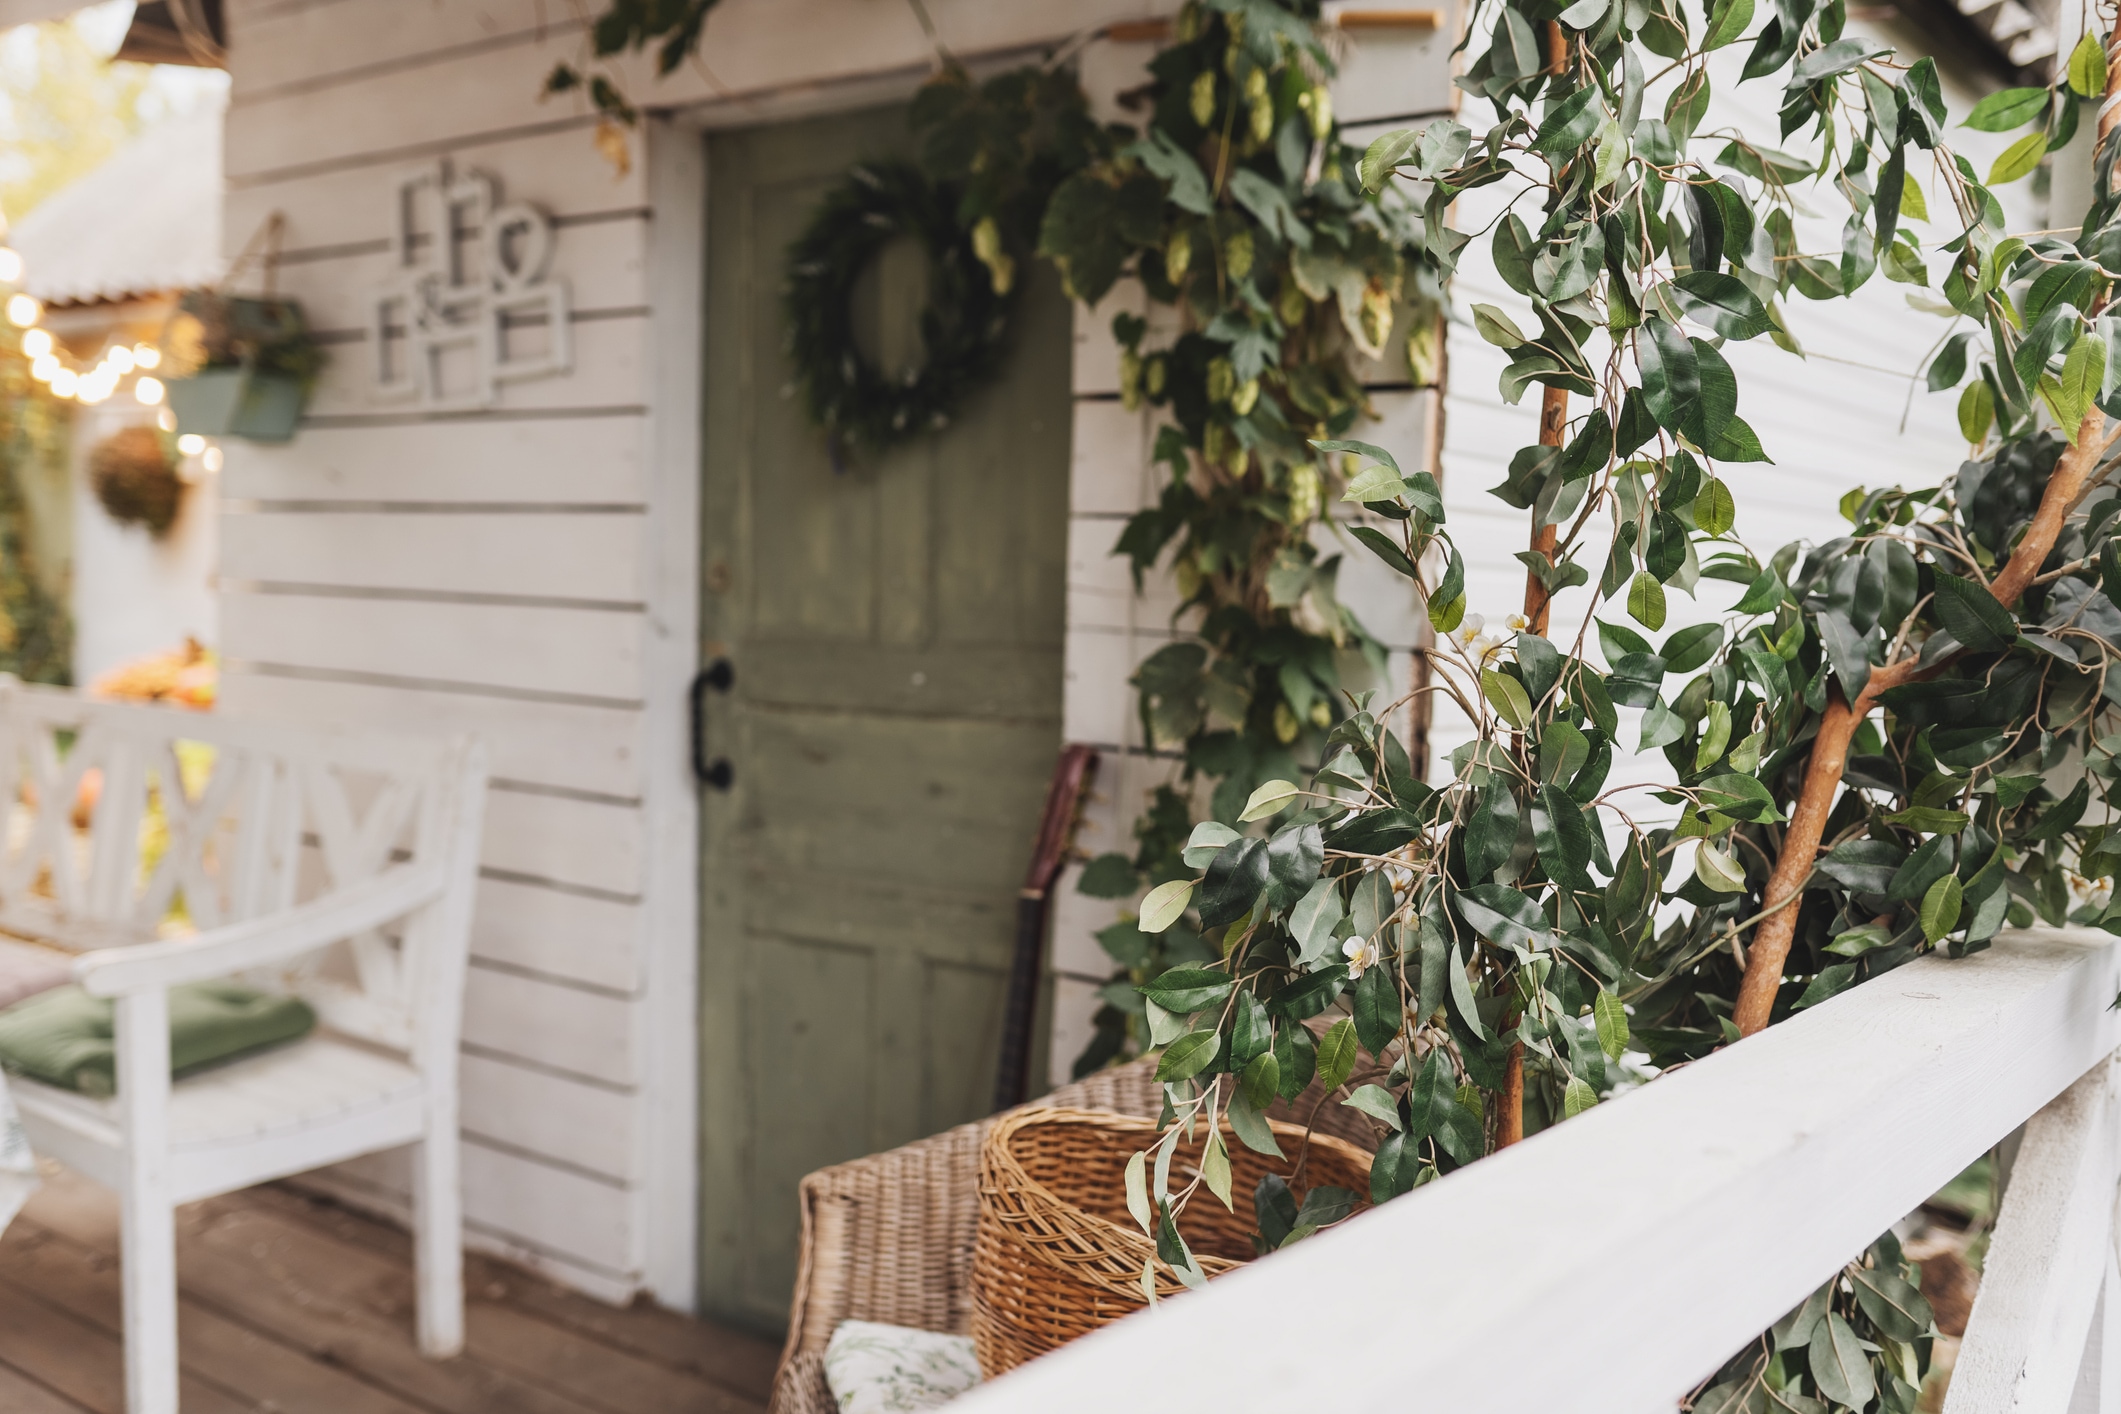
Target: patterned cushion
[878,1369]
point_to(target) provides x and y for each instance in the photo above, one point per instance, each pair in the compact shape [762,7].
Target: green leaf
[2019,159]
[1387,550]
[1314,918]
[1165,905]
[1940,907]
[1714,510]
[1377,1015]
[1723,303]
[1727,21]
[1215,1168]
[1497,327]
[1336,1055]
[1376,1102]
[1829,983]
[2087,66]
[1717,870]
[1261,1081]
[2083,371]
[1563,838]
[1740,797]
[1839,1365]
[1646,601]
[1462,997]
[1270,799]
[1928,820]
[1185,990]
[1507,696]
[1972,615]
[1895,1307]
[1375,483]
[1689,648]
[1394,1169]
[1188,1056]
[1138,1192]
[1569,123]
[1610,1016]
[1977,410]
[1108,876]
[1577,1098]
[2006,109]
[1913,206]
[1251,1127]
[1207,840]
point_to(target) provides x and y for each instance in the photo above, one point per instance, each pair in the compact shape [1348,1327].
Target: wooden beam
[1782,1159]
[1417,21]
[2047,1260]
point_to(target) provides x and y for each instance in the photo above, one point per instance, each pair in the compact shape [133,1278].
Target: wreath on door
[963,327]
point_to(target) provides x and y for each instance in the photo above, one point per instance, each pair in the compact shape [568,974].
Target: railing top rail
[1610,1263]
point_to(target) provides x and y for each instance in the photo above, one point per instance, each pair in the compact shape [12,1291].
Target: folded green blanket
[66,1037]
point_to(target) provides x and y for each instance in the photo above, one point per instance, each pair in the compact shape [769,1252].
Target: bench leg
[438,1237]
[150,1284]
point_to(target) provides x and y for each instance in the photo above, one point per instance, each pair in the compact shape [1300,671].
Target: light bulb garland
[65,377]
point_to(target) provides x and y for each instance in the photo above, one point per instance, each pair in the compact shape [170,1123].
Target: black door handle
[720,675]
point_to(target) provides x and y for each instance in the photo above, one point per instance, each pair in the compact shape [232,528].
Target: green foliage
[674,27]
[36,634]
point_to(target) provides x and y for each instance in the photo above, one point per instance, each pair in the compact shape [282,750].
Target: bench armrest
[217,952]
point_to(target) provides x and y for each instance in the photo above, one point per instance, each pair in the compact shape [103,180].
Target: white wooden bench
[336,865]
[1606,1265]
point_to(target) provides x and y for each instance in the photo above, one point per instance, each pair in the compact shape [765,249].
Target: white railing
[1612,1263]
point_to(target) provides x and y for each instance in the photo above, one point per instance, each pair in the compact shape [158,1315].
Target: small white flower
[1361,953]
[1469,629]
[1518,623]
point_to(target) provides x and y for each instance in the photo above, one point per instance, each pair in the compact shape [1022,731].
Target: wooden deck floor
[298,1306]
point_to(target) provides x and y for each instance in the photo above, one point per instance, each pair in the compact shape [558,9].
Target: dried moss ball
[134,474]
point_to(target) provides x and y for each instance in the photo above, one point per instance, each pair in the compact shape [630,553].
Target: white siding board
[559,933]
[600,260]
[317,46]
[551,1116]
[552,744]
[561,172]
[584,843]
[564,1028]
[583,557]
[593,461]
[578,653]
[607,374]
[542,1208]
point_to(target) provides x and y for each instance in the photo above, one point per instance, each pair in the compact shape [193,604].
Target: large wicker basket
[1057,1254]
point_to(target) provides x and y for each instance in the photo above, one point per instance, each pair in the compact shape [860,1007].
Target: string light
[191,444]
[148,391]
[10,265]
[44,368]
[66,382]
[147,356]
[48,361]
[212,459]
[23,311]
[37,343]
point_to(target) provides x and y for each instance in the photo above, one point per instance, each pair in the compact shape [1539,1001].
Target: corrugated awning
[146,221]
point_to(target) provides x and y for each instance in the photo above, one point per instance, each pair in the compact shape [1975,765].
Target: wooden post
[1538,610]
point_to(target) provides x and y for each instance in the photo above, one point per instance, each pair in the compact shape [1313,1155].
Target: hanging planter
[252,365]
[134,475]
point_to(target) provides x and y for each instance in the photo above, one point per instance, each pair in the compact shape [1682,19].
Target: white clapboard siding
[587,844]
[577,654]
[529,464]
[308,47]
[546,1214]
[551,557]
[608,356]
[569,1028]
[599,258]
[592,750]
[349,205]
[558,932]
[557,1117]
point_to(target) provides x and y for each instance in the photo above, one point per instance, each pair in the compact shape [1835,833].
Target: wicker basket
[1057,1254]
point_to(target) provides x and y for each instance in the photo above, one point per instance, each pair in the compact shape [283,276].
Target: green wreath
[962,328]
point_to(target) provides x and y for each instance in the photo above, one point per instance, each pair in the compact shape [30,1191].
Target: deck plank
[737,1361]
[294,1303]
[84,1284]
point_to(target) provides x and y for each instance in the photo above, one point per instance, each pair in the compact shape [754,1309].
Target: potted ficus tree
[241,366]
[1860,745]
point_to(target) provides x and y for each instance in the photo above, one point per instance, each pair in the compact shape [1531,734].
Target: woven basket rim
[1130,1238]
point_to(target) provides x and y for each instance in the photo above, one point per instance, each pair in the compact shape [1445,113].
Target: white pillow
[873,1368]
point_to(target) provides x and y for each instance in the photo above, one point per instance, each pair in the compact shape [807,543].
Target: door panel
[895,632]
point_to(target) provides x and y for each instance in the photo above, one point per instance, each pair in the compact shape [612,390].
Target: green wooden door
[895,635]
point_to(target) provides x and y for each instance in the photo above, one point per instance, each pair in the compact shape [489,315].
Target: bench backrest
[126,823]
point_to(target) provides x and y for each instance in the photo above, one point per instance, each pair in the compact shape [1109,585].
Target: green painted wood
[896,635]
